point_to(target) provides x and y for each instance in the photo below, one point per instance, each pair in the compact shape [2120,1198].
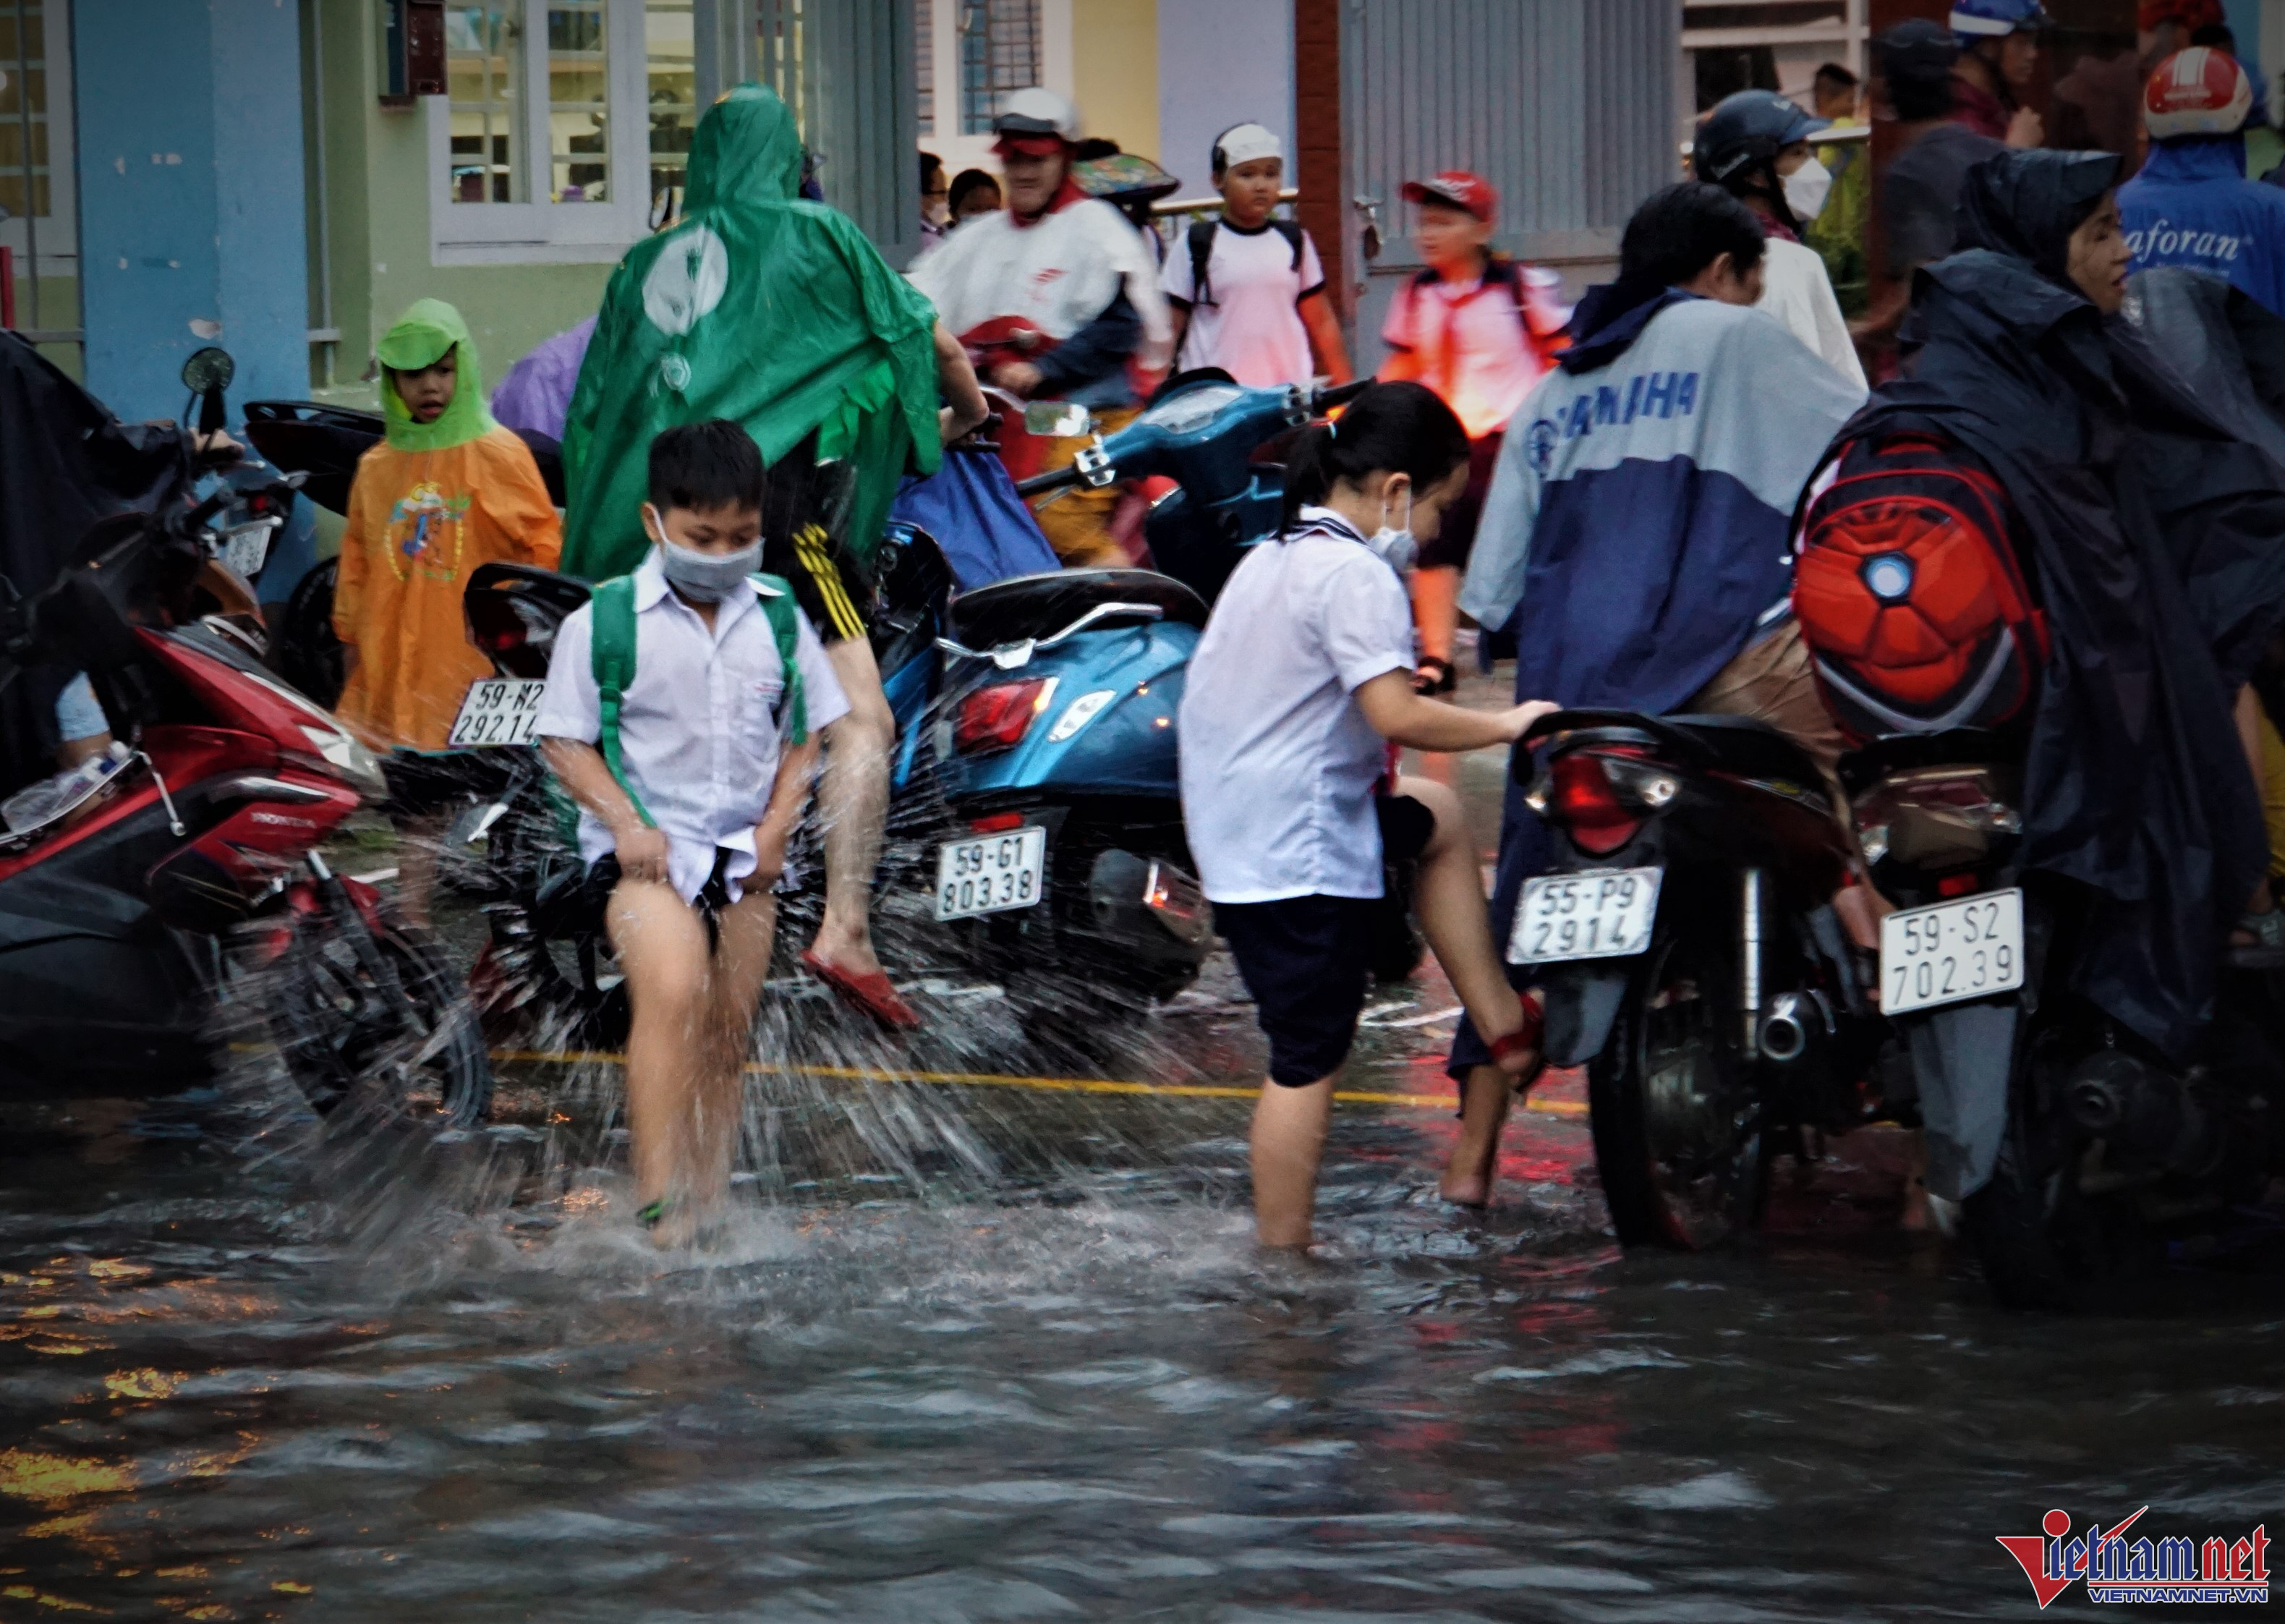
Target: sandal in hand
[1525,1039]
[1434,675]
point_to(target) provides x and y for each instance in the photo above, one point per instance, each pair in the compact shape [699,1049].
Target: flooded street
[996,1344]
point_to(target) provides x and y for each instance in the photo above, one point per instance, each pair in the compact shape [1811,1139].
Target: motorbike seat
[1750,749]
[1041,605]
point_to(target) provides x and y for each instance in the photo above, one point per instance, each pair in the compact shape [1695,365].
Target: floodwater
[1000,1350]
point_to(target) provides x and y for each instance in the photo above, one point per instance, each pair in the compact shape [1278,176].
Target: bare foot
[846,949]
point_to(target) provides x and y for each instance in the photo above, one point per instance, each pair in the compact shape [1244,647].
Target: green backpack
[613,659]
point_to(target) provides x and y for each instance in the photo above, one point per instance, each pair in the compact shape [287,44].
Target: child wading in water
[688,740]
[1299,688]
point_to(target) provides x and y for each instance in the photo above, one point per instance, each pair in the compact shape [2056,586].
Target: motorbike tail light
[998,823]
[1938,818]
[517,636]
[997,717]
[1586,804]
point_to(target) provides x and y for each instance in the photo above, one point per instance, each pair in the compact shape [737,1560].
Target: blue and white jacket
[1635,536]
[2192,205]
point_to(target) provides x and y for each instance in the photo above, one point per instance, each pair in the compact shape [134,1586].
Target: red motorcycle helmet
[1909,592]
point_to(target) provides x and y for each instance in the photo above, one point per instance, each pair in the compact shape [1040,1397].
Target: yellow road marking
[1045,1084]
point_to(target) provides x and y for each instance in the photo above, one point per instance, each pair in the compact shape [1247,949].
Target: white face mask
[708,577]
[1394,546]
[1806,189]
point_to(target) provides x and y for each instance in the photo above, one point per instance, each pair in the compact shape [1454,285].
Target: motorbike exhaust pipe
[1785,1030]
[2142,1114]
[1749,956]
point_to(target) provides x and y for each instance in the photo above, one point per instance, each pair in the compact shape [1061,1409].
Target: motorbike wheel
[342,1031]
[2041,1243]
[309,653]
[1678,1132]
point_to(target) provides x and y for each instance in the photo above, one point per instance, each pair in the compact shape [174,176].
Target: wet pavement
[992,1343]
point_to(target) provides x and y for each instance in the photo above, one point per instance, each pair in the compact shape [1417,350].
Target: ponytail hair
[1391,428]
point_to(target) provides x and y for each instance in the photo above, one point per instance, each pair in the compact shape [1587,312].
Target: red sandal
[1526,1039]
[871,994]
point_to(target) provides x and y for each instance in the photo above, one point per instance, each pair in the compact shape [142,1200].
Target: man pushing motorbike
[1060,297]
[777,314]
[2108,572]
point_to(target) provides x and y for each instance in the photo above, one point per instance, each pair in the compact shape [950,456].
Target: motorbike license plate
[990,873]
[1972,948]
[1600,914]
[497,711]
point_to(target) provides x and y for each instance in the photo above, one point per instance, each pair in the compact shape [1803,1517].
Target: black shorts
[1455,537]
[805,532]
[713,897]
[1307,960]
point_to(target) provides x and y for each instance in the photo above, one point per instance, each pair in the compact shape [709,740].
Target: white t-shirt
[1796,290]
[696,731]
[1059,274]
[1278,762]
[1252,327]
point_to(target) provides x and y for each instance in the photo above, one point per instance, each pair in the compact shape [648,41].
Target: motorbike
[181,873]
[2075,1150]
[1691,960]
[1055,738]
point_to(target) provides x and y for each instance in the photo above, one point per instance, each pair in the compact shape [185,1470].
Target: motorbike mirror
[209,369]
[1058,420]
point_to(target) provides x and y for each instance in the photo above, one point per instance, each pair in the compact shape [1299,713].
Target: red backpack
[1910,595]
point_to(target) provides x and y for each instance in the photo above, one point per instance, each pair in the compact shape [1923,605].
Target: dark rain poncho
[2157,536]
[761,307]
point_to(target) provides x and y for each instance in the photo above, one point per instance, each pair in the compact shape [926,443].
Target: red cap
[1458,188]
[2191,14]
[1031,146]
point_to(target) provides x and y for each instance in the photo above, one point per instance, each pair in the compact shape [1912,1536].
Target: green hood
[420,339]
[746,150]
[761,307]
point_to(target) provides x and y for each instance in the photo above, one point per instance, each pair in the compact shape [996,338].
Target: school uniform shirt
[1278,762]
[420,522]
[1477,343]
[1250,325]
[698,735]
[1797,290]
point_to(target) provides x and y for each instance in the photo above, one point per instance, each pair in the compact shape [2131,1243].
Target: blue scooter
[1053,739]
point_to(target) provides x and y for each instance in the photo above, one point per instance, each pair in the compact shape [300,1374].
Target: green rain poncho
[419,340]
[761,307]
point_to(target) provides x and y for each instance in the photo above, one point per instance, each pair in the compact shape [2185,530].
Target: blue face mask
[708,577]
[1395,546]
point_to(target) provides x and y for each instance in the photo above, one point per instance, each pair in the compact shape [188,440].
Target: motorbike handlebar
[1039,484]
[1338,394]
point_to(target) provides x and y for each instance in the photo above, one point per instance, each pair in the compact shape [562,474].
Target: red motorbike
[180,874]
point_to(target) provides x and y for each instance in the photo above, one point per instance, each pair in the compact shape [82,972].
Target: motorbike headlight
[341,751]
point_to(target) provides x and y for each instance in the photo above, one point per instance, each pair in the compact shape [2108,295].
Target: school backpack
[612,658]
[1910,594]
[1202,237]
[1537,293]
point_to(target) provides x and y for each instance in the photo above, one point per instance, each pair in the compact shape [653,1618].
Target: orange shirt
[419,523]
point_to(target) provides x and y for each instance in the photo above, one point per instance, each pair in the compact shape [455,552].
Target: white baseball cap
[1243,143]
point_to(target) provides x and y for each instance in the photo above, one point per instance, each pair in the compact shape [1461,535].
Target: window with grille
[26,179]
[671,55]
[999,54]
[925,62]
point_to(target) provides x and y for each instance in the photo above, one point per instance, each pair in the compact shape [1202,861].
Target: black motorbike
[2077,1152]
[1692,961]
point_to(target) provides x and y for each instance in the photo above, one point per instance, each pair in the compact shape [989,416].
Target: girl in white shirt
[1299,688]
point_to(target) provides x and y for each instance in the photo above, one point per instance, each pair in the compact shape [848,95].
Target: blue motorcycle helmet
[1975,19]
[1737,145]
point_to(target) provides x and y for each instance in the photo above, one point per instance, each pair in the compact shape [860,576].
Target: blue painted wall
[190,196]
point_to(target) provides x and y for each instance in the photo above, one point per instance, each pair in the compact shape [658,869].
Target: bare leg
[853,797]
[1436,609]
[1289,1141]
[1450,900]
[662,947]
[741,960]
[1484,1101]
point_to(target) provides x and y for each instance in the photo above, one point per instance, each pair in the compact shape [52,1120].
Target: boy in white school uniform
[1248,291]
[675,718]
